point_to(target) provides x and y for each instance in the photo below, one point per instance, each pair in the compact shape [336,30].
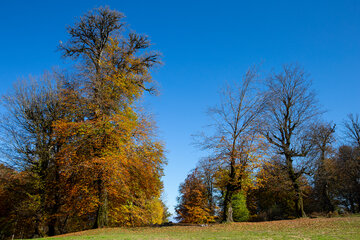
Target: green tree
[240,210]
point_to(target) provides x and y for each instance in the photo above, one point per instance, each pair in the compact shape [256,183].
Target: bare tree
[291,108]
[90,36]
[233,144]
[352,127]
[351,158]
[322,138]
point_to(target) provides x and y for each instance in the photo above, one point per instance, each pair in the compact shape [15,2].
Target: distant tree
[235,141]
[347,170]
[208,168]
[291,109]
[193,205]
[348,164]
[322,138]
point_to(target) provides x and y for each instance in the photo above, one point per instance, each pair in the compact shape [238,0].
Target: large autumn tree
[111,161]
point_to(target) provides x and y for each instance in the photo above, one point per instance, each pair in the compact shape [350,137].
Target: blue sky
[204,44]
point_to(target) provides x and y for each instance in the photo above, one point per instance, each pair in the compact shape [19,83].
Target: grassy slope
[320,228]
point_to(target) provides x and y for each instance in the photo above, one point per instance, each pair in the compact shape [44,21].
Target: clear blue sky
[204,44]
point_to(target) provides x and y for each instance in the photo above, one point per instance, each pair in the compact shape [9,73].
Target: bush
[240,211]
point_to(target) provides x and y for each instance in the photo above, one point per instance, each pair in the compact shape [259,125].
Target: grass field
[319,228]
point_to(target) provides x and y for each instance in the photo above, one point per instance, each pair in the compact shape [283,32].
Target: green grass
[319,228]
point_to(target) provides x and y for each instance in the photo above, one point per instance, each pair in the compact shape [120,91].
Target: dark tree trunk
[101,219]
[326,201]
[352,207]
[53,219]
[56,206]
[228,212]
[299,204]
[51,227]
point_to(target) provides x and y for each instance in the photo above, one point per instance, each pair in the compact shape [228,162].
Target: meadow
[304,228]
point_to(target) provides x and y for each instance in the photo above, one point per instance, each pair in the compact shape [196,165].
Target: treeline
[79,152]
[272,156]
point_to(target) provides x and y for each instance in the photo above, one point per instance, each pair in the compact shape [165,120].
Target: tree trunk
[299,205]
[352,207]
[51,227]
[53,219]
[327,205]
[228,212]
[56,206]
[101,219]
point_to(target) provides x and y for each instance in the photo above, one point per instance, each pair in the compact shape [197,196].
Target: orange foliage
[192,206]
[109,159]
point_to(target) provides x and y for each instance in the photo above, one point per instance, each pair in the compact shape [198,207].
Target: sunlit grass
[319,228]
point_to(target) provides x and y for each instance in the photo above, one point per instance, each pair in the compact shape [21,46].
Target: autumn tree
[18,204]
[106,138]
[348,165]
[235,141]
[80,149]
[193,206]
[347,172]
[291,109]
[274,198]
